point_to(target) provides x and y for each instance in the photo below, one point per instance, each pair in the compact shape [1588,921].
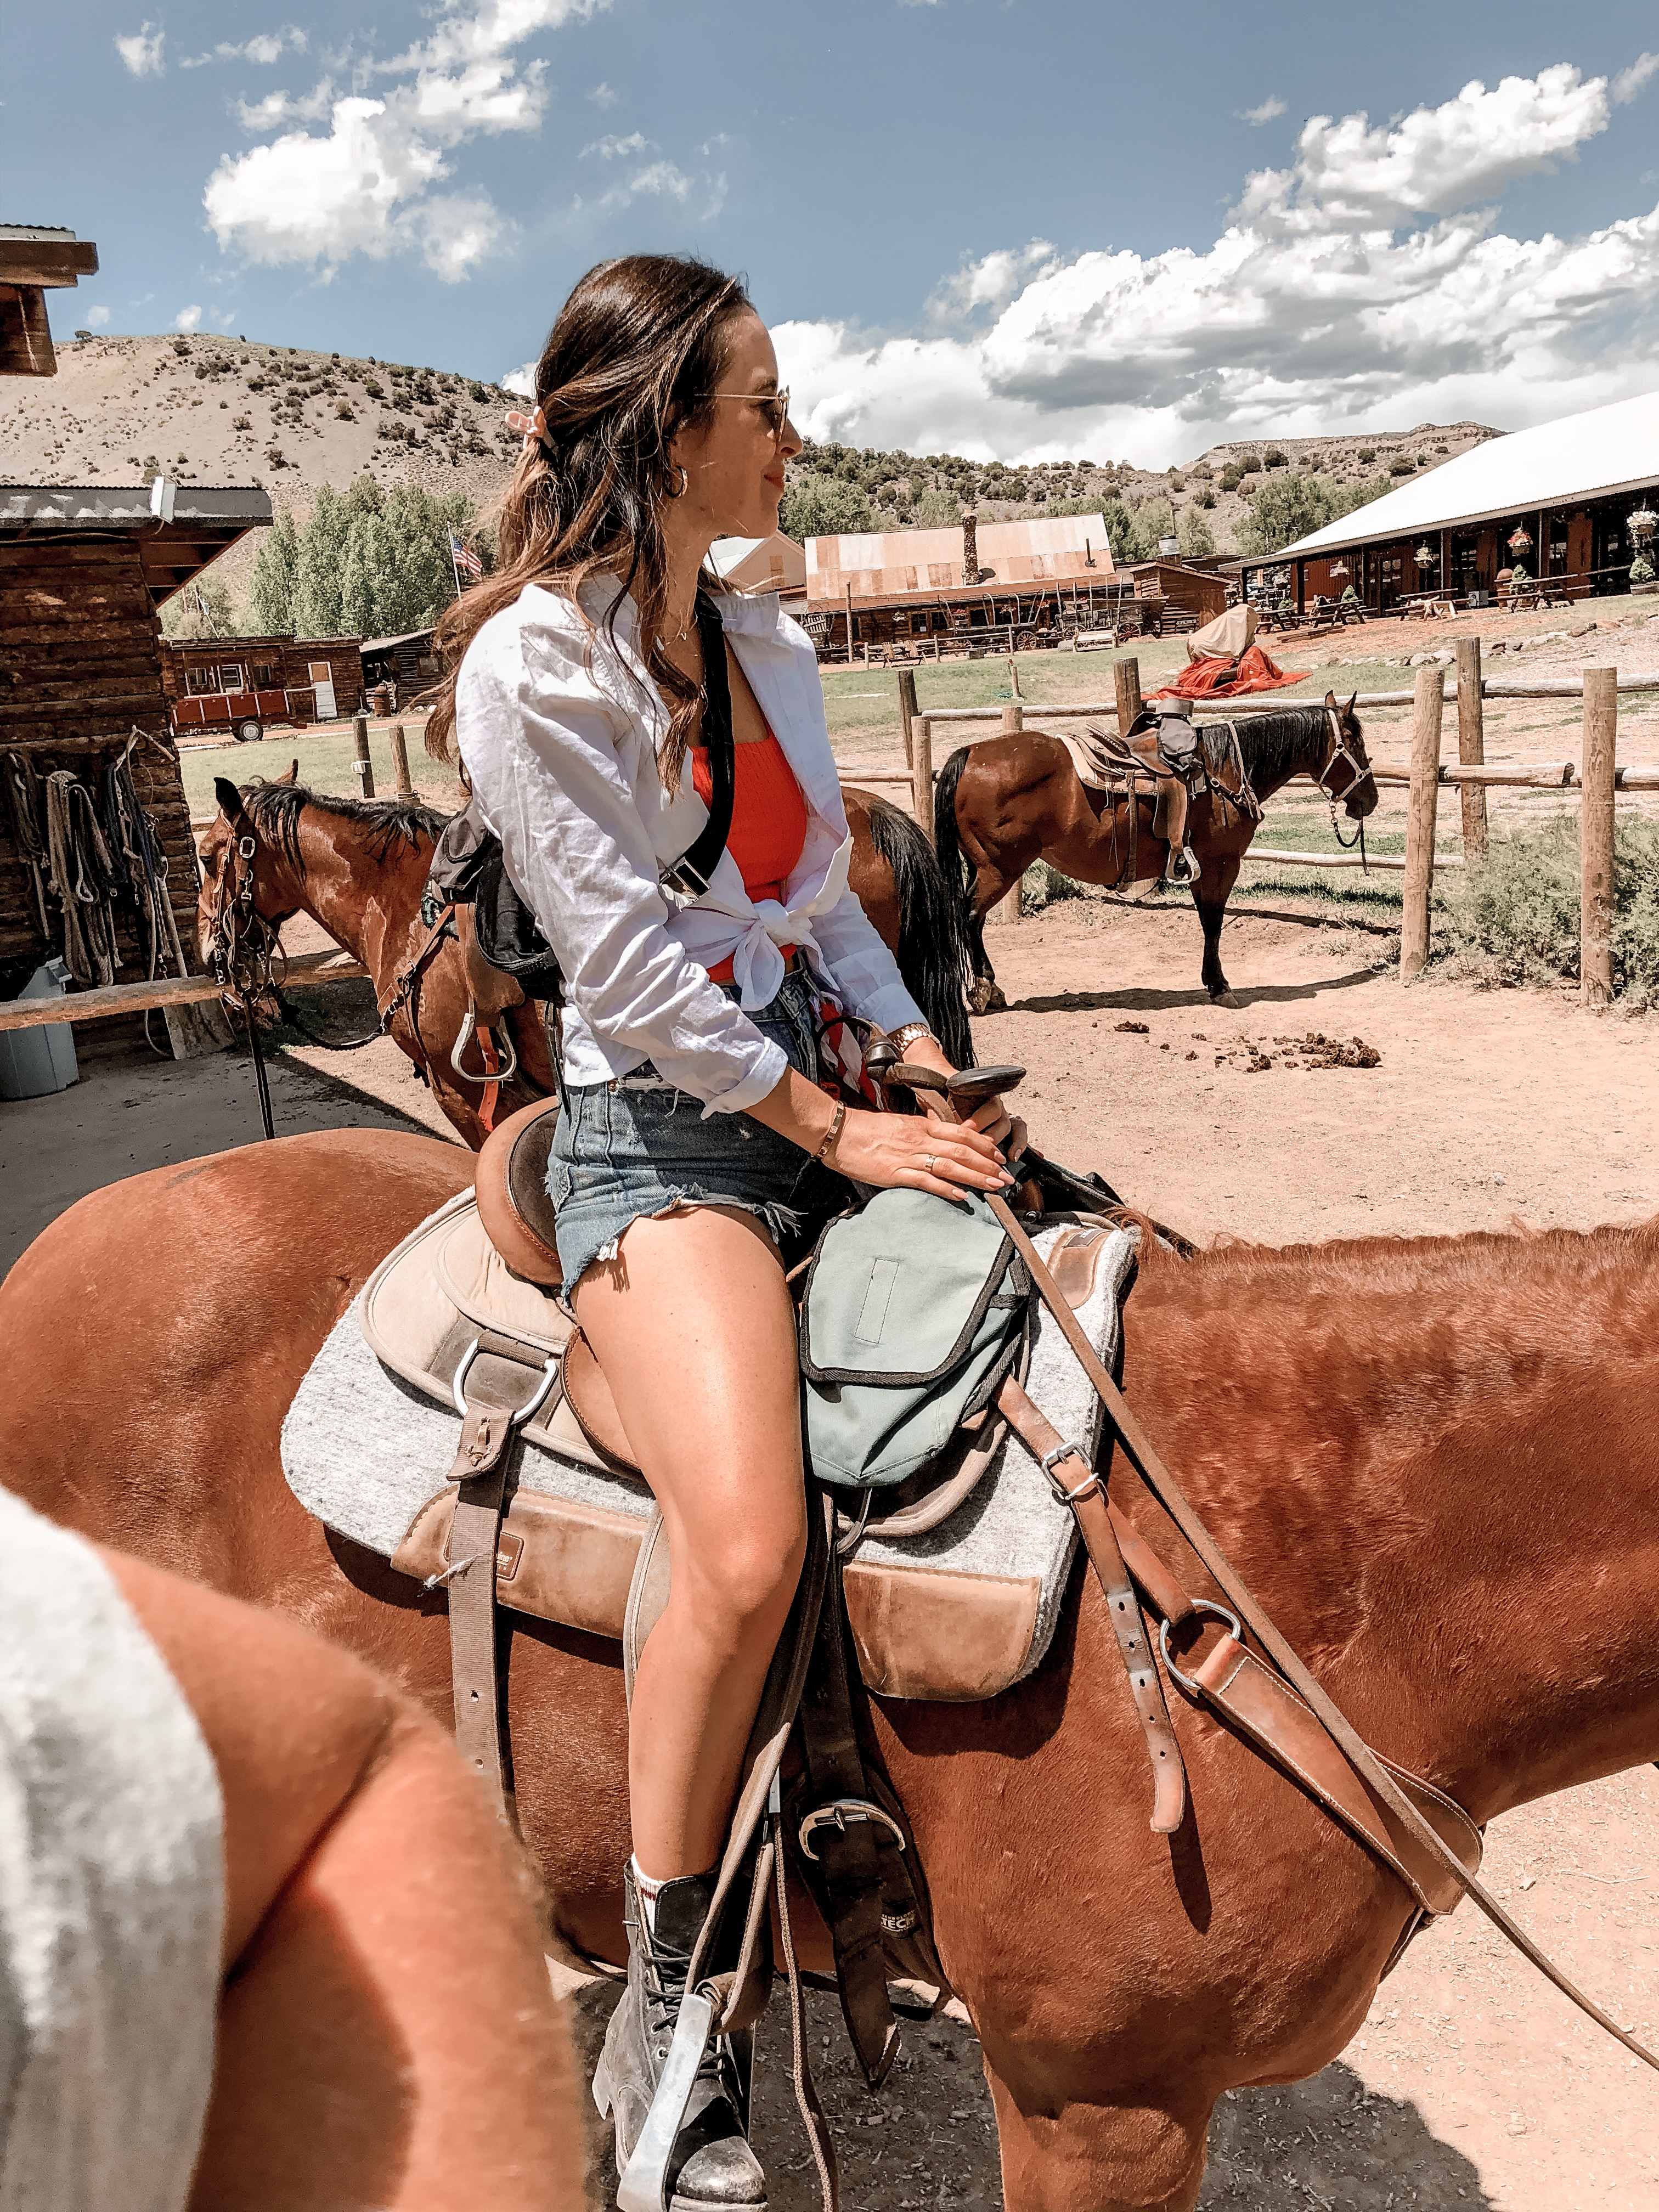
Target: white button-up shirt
[559,730]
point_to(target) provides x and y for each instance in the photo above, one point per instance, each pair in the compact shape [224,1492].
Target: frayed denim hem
[780,1222]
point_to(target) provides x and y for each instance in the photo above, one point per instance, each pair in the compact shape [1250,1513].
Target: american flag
[464,557]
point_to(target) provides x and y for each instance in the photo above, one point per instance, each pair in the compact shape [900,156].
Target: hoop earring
[683,486]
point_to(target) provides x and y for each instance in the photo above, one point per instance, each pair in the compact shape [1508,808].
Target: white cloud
[612,148]
[141,51]
[187,319]
[371,183]
[96,317]
[1271,106]
[1367,284]
[264,47]
[521,380]
[1630,81]
[658,177]
[602,97]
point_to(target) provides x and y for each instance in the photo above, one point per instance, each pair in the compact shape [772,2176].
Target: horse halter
[243,944]
[1359,772]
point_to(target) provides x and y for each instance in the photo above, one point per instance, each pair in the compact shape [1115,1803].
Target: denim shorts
[638,1145]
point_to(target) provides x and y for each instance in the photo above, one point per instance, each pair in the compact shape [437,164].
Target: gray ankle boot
[713,2167]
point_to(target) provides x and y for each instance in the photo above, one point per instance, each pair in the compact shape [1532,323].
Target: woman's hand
[992,1117]
[914,1152]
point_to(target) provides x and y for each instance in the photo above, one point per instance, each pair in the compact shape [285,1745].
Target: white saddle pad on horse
[955,1613]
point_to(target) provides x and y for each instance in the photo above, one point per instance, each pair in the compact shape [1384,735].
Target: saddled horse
[358,868]
[1447,1501]
[1000,804]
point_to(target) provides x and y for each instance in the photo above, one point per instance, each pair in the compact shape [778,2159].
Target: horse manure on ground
[1315,1049]
[1134,1029]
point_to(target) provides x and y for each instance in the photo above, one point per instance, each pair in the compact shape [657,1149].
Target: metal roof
[759,564]
[104,507]
[893,563]
[1595,455]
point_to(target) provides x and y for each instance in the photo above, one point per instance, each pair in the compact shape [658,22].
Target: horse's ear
[229,799]
[1348,709]
[289,775]
[1330,701]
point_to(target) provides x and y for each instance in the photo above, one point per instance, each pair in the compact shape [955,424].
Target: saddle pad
[960,1612]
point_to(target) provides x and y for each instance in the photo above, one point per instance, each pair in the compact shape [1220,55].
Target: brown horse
[1000,804]
[1449,1502]
[358,868]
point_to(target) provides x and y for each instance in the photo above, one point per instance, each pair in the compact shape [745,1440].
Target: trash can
[34,1063]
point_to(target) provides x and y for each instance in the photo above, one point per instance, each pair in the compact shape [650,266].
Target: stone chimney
[969,546]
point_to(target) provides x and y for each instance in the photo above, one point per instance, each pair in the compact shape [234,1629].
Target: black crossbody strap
[689,874]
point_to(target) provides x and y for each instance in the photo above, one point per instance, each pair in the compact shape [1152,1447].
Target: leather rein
[1359,772]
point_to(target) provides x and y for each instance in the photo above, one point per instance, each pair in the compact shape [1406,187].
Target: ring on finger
[931,1164]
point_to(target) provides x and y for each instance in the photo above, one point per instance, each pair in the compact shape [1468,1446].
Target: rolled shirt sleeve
[545,751]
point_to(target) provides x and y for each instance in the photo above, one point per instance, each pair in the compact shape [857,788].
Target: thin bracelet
[834,1130]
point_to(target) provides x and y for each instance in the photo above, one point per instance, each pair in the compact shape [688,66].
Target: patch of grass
[1046,886]
[327,763]
[1515,917]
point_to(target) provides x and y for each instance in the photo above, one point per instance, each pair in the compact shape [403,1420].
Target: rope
[24,809]
[82,879]
[141,867]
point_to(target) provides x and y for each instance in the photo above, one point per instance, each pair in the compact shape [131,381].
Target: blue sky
[1022,228]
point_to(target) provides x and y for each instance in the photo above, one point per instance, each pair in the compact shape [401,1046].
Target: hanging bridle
[1359,772]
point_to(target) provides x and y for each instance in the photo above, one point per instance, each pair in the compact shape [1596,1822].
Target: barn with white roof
[1557,500]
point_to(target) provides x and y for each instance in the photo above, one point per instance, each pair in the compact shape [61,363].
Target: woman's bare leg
[693,1326]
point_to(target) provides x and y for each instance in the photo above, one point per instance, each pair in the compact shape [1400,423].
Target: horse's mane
[276,808]
[1271,744]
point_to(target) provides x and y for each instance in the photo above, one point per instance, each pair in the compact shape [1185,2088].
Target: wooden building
[242,684]
[81,573]
[1556,500]
[409,663]
[984,586]
[34,260]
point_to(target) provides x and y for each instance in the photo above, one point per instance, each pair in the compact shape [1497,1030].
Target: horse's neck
[1306,759]
[369,904]
[1443,1483]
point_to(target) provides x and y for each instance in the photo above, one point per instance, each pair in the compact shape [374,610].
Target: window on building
[230,676]
[198,679]
[265,676]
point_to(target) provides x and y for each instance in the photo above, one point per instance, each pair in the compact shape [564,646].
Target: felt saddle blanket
[954,1609]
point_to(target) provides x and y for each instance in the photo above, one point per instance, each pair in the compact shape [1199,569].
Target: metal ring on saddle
[1087,1488]
[1216,1613]
[517,1416]
[840,1814]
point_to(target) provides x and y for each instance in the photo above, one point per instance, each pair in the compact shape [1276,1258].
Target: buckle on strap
[517,1415]
[1087,1488]
[683,876]
[842,1813]
[1202,1606]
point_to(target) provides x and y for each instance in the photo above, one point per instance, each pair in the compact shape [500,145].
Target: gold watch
[909,1033]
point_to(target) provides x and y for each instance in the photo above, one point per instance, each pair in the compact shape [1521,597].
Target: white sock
[647,1890]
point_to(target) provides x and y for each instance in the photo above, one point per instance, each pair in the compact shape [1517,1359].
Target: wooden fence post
[400,762]
[1431,692]
[1596,773]
[360,747]
[1472,745]
[921,773]
[1125,674]
[907,710]
[1010,907]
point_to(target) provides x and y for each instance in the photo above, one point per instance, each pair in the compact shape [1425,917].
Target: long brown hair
[633,358]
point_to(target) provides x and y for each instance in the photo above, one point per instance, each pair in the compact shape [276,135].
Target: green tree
[320,569]
[204,608]
[1288,507]
[823,507]
[271,593]
[1194,533]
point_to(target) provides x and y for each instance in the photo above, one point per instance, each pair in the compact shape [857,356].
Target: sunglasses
[773,404]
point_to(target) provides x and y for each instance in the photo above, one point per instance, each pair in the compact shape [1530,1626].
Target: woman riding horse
[696,1147]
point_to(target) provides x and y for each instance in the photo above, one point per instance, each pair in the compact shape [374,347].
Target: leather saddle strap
[847,1876]
[1086,1496]
[1378,1779]
[480,1471]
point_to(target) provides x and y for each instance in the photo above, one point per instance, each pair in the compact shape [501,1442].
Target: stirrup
[1183,870]
[644,2184]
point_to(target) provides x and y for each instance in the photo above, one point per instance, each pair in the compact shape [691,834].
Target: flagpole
[455,566]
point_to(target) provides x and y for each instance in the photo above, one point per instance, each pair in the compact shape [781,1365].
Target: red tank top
[768,814]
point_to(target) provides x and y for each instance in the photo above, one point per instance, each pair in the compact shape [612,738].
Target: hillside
[211,411]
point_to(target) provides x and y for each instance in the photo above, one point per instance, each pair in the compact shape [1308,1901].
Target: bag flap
[896,1294]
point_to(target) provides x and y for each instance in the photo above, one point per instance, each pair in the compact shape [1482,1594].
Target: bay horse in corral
[1448,1502]
[1001,804]
[358,868]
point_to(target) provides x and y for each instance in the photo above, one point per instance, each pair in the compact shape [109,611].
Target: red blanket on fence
[1230,679]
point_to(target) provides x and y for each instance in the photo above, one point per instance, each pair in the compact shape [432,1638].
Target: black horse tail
[932,947]
[946,843]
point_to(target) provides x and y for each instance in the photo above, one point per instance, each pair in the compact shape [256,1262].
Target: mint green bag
[915,1309]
